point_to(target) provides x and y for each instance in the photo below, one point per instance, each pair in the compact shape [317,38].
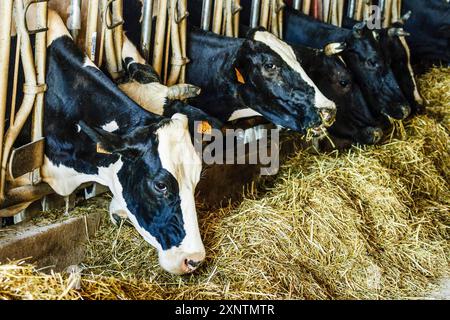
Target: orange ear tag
[239,76]
[204,127]
[101,150]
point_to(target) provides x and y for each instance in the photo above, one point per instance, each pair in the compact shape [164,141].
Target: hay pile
[369,223]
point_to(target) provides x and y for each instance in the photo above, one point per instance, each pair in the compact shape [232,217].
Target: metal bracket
[105,16]
[39,30]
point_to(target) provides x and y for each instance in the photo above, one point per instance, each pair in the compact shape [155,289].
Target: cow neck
[313,33]
[212,67]
[94,96]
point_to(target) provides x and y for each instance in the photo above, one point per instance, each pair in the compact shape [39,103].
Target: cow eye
[270,66]
[372,64]
[344,83]
[160,187]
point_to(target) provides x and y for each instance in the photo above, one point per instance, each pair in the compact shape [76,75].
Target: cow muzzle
[179,262]
[328,114]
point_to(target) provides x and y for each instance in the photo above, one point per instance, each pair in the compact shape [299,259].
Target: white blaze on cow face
[110,126]
[286,52]
[417,95]
[178,156]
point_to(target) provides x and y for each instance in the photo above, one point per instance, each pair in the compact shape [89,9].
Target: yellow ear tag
[239,76]
[204,127]
[101,150]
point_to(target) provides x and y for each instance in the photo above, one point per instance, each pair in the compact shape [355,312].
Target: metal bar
[182,7]
[306,6]
[297,4]
[37,129]
[326,10]
[158,48]
[217,18]
[146,34]
[117,15]
[5,47]
[264,14]
[387,13]
[91,30]
[175,68]
[74,20]
[236,16]
[340,12]
[254,13]
[228,19]
[351,8]
[29,97]
[206,15]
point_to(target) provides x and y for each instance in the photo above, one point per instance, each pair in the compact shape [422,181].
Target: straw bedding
[367,223]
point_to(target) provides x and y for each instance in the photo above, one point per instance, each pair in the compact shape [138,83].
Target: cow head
[273,83]
[354,120]
[397,54]
[157,170]
[374,75]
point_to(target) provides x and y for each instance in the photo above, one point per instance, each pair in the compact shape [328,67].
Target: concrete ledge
[57,245]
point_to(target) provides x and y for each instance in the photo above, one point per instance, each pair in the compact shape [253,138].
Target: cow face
[397,54]
[157,172]
[274,84]
[374,75]
[354,120]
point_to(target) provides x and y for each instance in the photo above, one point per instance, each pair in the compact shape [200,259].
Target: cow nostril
[191,265]
[406,110]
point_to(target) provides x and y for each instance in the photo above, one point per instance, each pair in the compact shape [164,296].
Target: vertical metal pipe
[218,15]
[5,47]
[158,50]
[306,7]
[37,130]
[146,34]
[264,14]
[254,14]
[351,8]
[297,4]
[91,30]
[206,15]
[74,20]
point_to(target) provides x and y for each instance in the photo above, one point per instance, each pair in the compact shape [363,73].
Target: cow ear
[108,142]
[199,122]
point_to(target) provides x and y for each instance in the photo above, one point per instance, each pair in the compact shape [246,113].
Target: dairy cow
[95,133]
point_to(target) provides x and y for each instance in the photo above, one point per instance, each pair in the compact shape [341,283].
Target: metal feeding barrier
[16,189]
[167,51]
[268,14]
[332,11]
[225,17]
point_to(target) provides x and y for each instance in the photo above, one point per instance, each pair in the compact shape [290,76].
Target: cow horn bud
[405,17]
[182,92]
[334,48]
[397,32]
[357,29]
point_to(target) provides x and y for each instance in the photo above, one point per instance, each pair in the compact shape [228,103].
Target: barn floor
[370,223]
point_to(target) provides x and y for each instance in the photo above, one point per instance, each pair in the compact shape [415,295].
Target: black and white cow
[397,54]
[243,78]
[363,57]
[429,27]
[94,132]
[354,120]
